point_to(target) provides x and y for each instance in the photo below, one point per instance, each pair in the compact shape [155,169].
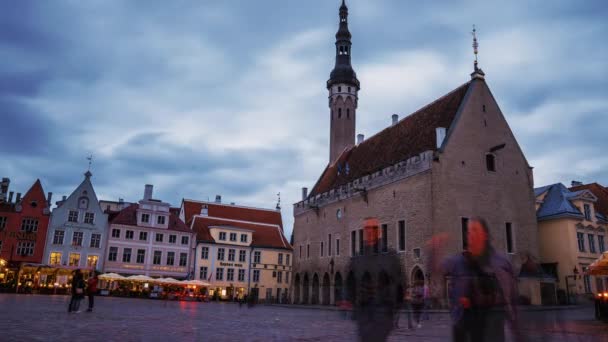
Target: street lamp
[575,271]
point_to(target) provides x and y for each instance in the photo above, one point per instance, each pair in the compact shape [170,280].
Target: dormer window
[160,219]
[223,236]
[145,218]
[587,210]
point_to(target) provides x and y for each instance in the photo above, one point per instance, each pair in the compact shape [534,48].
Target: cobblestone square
[45,318]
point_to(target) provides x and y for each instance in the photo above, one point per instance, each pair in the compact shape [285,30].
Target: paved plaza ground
[45,318]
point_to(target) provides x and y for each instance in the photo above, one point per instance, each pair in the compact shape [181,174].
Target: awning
[195,283]
[111,276]
[140,278]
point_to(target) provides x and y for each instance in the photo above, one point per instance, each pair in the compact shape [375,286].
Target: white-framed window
[158,255]
[143,236]
[257,257]
[205,252]
[242,256]
[256,276]
[183,259]
[587,211]
[185,240]
[141,256]
[145,218]
[230,274]
[112,253]
[29,225]
[219,273]
[92,261]
[580,238]
[95,240]
[232,236]
[89,218]
[170,258]
[77,238]
[203,273]
[58,237]
[129,235]
[161,219]
[25,248]
[241,275]
[116,233]
[172,238]
[126,255]
[231,254]
[159,237]
[244,238]
[74,259]
[73,216]
[220,253]
[223,236]
[55,258]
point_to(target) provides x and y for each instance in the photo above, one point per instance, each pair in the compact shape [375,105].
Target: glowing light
[146,285]
[223,293]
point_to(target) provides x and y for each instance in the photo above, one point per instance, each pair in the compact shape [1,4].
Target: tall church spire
[343,87]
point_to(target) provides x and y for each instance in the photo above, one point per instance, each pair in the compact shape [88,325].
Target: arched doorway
[351,287]
[315,290]
[417,276]
[306,290]
[326,289]
[338,295]
[296,289]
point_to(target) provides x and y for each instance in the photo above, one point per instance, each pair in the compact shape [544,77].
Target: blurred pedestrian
[483,289]
[92,290]
[417,295]
[78,286]
[427,302]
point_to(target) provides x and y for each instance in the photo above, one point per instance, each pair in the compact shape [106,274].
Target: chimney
[576,183]
[4,188]
[304,193]
[360,138]
[18,199]
[440,134]
[49,197]
[120,200]
[63,198]
[10,197]
[395,119]
[232,203]
[148,192]
[218,198]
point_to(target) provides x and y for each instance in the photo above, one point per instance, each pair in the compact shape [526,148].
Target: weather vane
[475,45]
[279,201]
[90,159]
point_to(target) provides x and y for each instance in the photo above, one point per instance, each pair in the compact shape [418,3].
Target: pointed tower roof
[343,71]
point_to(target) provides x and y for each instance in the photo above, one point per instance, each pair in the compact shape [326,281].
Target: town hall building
[428,173]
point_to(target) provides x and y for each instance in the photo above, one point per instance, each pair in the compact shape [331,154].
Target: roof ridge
[230,205]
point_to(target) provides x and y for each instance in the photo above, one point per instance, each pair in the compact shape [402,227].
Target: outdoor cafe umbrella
[110,276]
[168,281]
[196,283]
[599,266]
[140,277]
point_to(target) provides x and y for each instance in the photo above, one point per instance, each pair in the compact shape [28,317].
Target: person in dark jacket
[92,290]
[77,291]
[483,289]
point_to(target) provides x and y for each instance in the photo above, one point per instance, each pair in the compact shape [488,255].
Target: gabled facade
[240,250]
[572,234]
[23,225]
[78,231]
[425,174]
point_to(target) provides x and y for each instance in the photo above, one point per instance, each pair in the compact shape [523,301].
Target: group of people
[80,288]
[417,301]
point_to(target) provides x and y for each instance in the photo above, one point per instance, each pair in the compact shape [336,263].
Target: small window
[339,214]
[170,258]
[242,256]
[349,89]
[347,113]
[116,233]
[29,225]
[160,219]
[145,218]
[113,253]
[244,238]
[141,256]
[159,237]
[401,236]
[321,248]
[73,216]
[156,258]
[339,89]
[231,254]
[126,255]
[490,162]
[89,218]
[95,240]
[223,236]
[587,210]
[232,236]
[416,252]
[129,235]
[509,236]
[183,259]
[172,238]
[580,238]
[257,257]
[384,238]
[220,253]
[143,236]
[483,108]
[185,240]
[205,253]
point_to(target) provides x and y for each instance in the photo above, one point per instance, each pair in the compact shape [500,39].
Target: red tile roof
[409,137]
[128,216]
[233,212]
[264,235]
[600,192]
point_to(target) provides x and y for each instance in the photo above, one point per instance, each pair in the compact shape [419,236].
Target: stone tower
[343,87]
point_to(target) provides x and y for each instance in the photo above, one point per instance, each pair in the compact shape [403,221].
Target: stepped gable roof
[601,192]
[233,212]
[264,235]
[128,217]
[556,203]
[411,136]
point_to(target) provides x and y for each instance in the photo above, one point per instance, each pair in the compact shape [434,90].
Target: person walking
[92,290]
[77,291]
[417,303]
[427,302]
[483,290]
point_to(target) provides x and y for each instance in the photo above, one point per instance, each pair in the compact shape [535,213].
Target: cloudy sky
[228,97]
